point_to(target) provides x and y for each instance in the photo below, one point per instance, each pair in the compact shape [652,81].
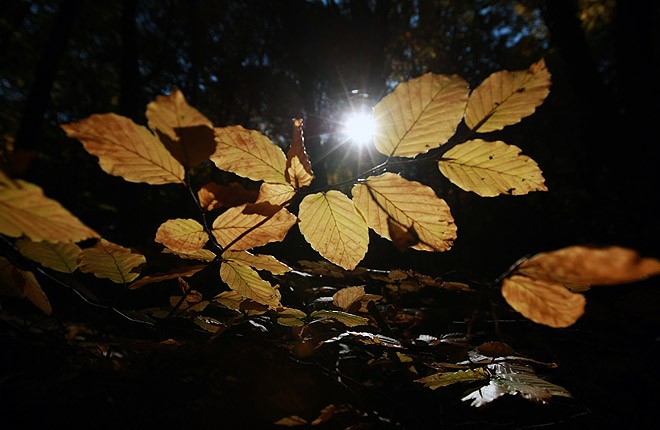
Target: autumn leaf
[411,205]
[275,194]
[60,256]
[298,168]
[347,296]
[126,149]
[258,262]
[198,254]
[443,379]
[111,261]
[212,195]
[184,131]
[419,115]
[25,210]
[182,235]
[249,154]
[251,225]
[23,284]
[504,98]
[585,266]
[291,317]
[233,300]
[491,168]
[345,318]
[333,227]
[543,302]
[183,272]
[246,282]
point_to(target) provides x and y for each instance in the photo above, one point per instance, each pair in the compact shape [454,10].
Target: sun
[359,127]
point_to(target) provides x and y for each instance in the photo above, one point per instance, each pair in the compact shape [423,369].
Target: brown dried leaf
[298,168]
[183,272]
[346,297]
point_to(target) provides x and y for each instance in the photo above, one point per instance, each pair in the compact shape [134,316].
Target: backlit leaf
[251,225]
[411,205]
[275,194]
[333,227]
[444,379]
[258,262]
[586,266]
[25,210]
[198,254]
[186,133]
[345,297]
[212,195]
[23,284]
[504,98]
[419,115]
[491,168]
[182,235]
[111,261]
[291,317]
[126,149]
[543,302]
[246,282]
[298,168]
[249,154]
[60,256]
[183,272]
[345,318]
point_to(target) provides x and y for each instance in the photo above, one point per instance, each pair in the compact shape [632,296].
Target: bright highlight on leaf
[333,227]
[60,256]
[419,115]
[491,168]
[111,261]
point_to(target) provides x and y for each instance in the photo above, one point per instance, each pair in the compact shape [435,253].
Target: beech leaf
[258,262]
[212,195]
[504,98]
[251,225]
[345,297]
[491,168]
[543,302]
[60,256]
[198,254]
[276,194]
[413,206]
[25,210]
[182,235]
[111,261]
[249,154]
[444,379]
[419,115]
[23,284]
[183,272]
[246,282]
[126,149]
[298,168]
[345,318]
[333,227]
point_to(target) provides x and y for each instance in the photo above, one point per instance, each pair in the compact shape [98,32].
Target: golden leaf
[183,272]
[198,254]
[111,261]
[126,149]
[246,282]
[182,235]
[249,154]
[411,205]
[212,195]
[585,266]
[25,210]
[419,115]
[491,168]
[258,262]
[276,194]
[232,300]
[345,297]
[333,227]
[251,225]
[504,98]
[23,284]
[543,302]
[298,168]
[60,256]
[345,318]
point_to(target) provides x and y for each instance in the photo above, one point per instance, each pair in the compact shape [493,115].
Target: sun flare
[359,127]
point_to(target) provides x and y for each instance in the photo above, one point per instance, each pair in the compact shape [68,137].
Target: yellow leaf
[232,300]
[212,195]
[276,194]
[345,318]
[246,282]
[183,129]
[585,266]
[183,272]
[411,205]
[331,224]
[182,235]
[258,262]
[251,225]
[25,210]
[491,168]
[504,98]
[419,115]
[60,256]
[198,254]
[108,260]
[298,168]
[249,154]
[126,149]
[345,297]
[543,302]
[15,282]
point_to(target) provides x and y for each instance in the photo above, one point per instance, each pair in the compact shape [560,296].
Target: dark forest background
[260,63]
